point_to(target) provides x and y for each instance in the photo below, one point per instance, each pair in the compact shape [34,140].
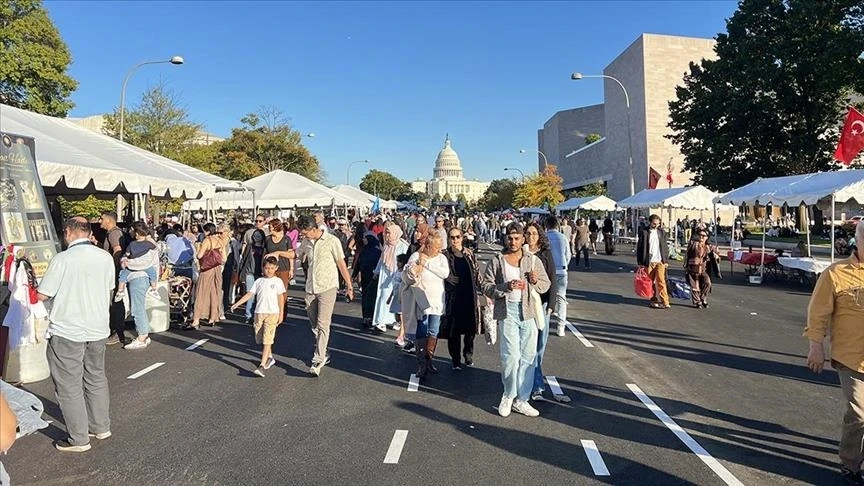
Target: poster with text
[24,218]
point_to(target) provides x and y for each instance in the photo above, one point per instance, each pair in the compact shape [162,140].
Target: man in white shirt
[80,283]
[561,254]
[652,252]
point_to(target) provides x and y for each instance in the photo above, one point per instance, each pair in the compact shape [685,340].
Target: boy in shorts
[269,293]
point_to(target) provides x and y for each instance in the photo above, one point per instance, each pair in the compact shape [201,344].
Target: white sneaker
[137,344]
[505,406]
[562,326]
[270,362]
[396,326]
[315,370]
[525,409]
[102,436]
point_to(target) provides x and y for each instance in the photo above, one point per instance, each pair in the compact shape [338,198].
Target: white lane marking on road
[413,383]
[553,385]
[144,371]
[594,457]
[196,344]
[579,335]
[682,435]
[396,446]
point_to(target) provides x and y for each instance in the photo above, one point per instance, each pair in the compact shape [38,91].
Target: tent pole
[717,226]
[833,208]
[762,263]
[807,227]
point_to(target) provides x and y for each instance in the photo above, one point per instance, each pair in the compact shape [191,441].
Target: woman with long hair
[461,321]
[279,245]
[425,273]
[537,244]
[509,279]
[394,245]
[208,288]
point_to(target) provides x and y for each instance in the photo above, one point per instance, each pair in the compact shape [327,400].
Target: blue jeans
[518,338]
[561,301]
[542,338]
[428,326]
[137,297]
[150,271]
[250,304]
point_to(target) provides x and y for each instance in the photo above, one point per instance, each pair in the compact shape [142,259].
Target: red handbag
[212,258]
[642,283]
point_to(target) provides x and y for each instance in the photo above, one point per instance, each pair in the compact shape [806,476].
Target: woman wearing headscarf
[393,245]
[366,261]
[420,233]
[461,320]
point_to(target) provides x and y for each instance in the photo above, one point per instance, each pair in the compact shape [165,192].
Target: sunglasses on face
[455,237]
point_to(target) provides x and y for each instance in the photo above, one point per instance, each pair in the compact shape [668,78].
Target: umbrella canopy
[590,203]
[75,161]
[276,189]
[696,198]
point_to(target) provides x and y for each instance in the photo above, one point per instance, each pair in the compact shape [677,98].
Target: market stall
[363,198]
[590,203]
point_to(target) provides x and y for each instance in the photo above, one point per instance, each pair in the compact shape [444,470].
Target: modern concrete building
[448,179]
[650,69]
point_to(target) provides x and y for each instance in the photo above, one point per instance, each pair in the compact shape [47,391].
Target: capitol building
[448,179]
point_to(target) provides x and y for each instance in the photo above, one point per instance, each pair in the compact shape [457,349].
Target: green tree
[264,143]
[33,60]
[543,189]
[158,123]
[595,189]
[460,198]
[771,103]
[201,157]
[447,197]
[90,207]
[592,137]
[499,195]
[384,184]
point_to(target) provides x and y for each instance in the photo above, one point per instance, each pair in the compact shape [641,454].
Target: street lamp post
[545,160]
[522,174]
[177,60]
[348,171]
[578,76]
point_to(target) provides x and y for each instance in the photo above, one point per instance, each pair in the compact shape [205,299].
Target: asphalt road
[727,382]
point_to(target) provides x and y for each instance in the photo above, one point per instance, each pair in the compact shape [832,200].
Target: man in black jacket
[652,252]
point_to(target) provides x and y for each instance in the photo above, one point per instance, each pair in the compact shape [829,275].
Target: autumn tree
[543,189]
[771,103]
[265,142]
[498,196]
[33,60]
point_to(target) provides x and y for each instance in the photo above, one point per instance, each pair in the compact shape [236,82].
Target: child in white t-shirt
[269,292]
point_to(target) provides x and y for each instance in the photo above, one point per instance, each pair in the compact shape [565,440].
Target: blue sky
[382,81]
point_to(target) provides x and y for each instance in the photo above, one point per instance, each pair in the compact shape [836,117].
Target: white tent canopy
[693,198]
[809,189]
[590,203]
[72,159]
[362,197]
[276,189]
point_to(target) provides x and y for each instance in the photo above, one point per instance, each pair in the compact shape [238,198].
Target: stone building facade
[448,178]
[650,69]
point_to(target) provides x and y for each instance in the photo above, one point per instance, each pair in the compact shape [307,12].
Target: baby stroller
[180,293]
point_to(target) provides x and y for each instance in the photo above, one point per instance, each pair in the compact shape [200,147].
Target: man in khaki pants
[837,308]
[652,252]
[322,253]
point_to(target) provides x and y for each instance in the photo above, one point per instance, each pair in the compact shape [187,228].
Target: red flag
[653,178]
[852,139]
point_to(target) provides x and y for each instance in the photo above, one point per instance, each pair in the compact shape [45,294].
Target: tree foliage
[158,123]
[266,142]
[384,184]
[592,137]
[772,102]
[543,189]
[33,60]
[498,196]
[89,207]
[595,189]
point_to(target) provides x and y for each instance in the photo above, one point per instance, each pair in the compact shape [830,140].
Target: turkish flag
[852,139]
[653,178]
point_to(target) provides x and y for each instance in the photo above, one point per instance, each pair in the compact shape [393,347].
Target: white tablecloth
[806,264]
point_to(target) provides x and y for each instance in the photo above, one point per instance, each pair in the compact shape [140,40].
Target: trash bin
[29,363]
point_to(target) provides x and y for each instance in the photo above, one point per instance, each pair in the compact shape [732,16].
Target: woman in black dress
[461,320]
[367,261]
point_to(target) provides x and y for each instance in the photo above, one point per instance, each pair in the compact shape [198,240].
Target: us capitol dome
[448,178]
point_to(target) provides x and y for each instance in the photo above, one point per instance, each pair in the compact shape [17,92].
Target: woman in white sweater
[425,272]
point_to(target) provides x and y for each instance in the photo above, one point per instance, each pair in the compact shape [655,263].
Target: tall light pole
[174,60]
[545,160]
[578,76]
[522,174]
[348,171]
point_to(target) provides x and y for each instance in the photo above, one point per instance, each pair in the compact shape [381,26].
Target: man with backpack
[115,244]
